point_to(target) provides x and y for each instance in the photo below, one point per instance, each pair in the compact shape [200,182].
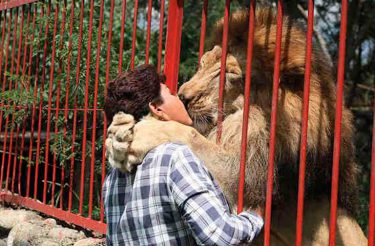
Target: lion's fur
[202,91]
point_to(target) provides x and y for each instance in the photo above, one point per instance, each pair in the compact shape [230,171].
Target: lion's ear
[217,51]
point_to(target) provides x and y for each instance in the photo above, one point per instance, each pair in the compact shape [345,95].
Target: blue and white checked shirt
[172,199]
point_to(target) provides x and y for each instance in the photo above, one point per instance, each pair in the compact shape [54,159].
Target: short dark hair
[132,91]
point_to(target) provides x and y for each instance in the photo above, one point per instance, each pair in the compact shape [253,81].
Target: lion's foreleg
[227,164]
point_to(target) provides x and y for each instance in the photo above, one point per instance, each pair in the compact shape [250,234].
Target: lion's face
[201,93]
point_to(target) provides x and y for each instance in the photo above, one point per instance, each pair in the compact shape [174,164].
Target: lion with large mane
[200,95]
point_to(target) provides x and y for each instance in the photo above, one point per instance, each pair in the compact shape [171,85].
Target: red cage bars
[173,43]
[250,40]
[275,90]
[338,117]
[79,202]
[371,223]
[305,115]
[222,70]
[14,3]
[105,94]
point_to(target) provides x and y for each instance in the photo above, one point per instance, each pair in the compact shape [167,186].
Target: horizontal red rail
[57,213]
[15,3]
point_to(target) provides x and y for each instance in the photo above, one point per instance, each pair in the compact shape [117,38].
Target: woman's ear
[157,111]
[154,109]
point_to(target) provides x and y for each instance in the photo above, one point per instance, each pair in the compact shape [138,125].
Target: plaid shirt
[172,199]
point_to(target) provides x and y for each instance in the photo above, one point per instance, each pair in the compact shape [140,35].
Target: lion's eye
[201,64]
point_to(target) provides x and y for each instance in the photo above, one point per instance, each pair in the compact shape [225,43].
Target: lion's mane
[321,116]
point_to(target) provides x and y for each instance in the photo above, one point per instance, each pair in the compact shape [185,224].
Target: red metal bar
[305,115]
[83,164]
[338,117]
[2,40]
[92,169]
[4,85]
[250,42]
[161,26]
[19,51]
[67,92]
[123,18]
[10,88]
[14,3]
[371,221]
[41,103]
[134,36]
[33,106]
[203,29]
[75,105]
[148,35]
[222,71]
[57,213]
[50,96]
[62,30]
[173,43]
[28,89]
[271,159]
[108,62]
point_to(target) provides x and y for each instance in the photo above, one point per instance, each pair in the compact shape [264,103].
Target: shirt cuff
[255,219]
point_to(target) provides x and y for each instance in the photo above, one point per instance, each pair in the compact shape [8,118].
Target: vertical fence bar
[40,116]
[148,35]
[28,90]
[19,51]
[338,117]
[203,30]
[49,108]
[22,107]
[161,26]
[88,59]
[371,221]
[108,63]
[62,30]
[10,88]
[34,101]
[2,42]
[305,115]
[92,170]
[3,89]
[75,104]
[67,86]
[122,36]
[249,60]
[3,82]
[271,158]
[173,43]
[134,36]
[222,71]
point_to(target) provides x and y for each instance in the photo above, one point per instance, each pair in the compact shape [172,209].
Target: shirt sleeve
[196,197]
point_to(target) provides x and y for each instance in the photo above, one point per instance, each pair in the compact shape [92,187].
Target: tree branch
[322,42]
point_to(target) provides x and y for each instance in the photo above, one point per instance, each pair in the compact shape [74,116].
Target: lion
[200,95]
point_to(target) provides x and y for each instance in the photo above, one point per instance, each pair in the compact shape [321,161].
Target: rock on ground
[9,218]
[3,242]
[27,228]
[90,242]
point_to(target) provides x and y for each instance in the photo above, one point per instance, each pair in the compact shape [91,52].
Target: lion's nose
[184,100]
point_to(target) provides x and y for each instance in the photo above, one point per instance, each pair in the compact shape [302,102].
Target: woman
[170,198]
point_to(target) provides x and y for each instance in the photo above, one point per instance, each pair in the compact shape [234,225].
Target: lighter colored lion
[200,94]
